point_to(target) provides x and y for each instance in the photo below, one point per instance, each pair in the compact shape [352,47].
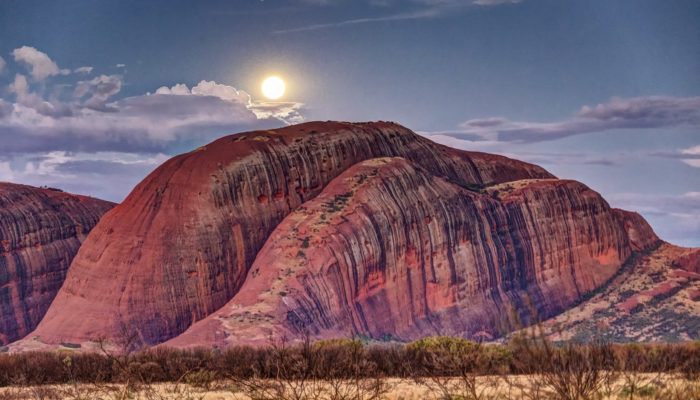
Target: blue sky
[95,94]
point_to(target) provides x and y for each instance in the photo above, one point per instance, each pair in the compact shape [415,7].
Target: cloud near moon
[47,126]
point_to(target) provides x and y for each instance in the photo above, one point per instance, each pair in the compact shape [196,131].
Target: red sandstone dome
[337,229]
[40,233]
[389,250]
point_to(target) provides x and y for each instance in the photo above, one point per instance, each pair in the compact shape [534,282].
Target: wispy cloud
[426,13]
[83,70]
[566,158]
[619,113]
[98,91]
[88,115]
[81,172]
[543,158]
[495,2]
[412,10]
[689,156]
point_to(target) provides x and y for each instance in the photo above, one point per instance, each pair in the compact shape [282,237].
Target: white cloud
[689,156]
[120,65]
[80,172]
[93,121]
[98,91]
[179,89]
[83,70]
[208,88]
[692,152]
[288,112]
[82,135]
[40,65]
[2,64]
[20,86]
[26,98]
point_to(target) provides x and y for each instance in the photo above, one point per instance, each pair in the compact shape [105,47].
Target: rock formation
[654,298]
[639,232]
[338,228]
[388,250]
[180,245]
[40,233]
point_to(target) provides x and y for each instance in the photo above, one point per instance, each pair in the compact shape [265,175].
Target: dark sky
[603,91]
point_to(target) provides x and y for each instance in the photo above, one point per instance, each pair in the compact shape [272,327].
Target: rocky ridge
[180,245]
[655,298]
[338,229]
[388,250]
[40,233]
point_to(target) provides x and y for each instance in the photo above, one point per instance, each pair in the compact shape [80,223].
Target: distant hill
[41,230]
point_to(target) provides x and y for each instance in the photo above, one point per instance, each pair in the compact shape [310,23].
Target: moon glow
[273,87]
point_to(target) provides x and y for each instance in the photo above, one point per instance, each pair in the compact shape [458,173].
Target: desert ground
[619,386]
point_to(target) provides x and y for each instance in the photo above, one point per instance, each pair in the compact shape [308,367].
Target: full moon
[273,87]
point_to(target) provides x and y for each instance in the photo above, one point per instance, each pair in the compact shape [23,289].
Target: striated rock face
[640,233]
[654,298]
[388,249]
[40,233]
[181,244]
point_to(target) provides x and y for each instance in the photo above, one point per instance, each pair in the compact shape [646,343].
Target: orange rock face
[640,233]
[388,249]
[181,244]
[40,233]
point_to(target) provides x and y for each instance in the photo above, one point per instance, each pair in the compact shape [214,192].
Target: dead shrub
[449,367]
[567,371]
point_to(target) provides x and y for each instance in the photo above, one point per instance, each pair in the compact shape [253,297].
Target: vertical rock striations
[388,249]
[180,246]
[40,233]
[639,232]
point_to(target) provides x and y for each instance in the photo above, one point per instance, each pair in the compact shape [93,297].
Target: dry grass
[649,386]
[440,368]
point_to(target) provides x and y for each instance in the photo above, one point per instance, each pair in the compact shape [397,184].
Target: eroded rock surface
[639,232]
[181,244]
[389,250]
[654,298]
[40,233]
